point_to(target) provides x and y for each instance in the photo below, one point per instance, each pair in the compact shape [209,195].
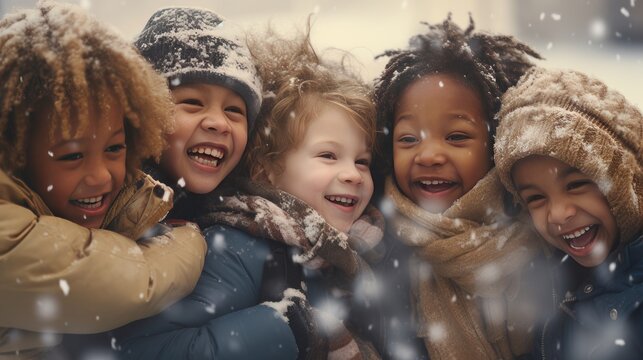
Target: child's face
[210,137]
[329,170]
[79,178]
[567,208]
[440,141]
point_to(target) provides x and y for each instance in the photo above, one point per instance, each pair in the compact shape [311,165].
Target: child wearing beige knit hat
[570,150]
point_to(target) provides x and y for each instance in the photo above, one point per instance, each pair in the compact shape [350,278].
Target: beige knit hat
[576,119]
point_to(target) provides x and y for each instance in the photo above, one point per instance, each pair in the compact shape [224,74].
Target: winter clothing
[55,275]
[389,322]
[223,317]
[245,232]
[189,45]
[475,254]
[599,316]
[576,119]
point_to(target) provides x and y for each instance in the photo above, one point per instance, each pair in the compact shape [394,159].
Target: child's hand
[139,207]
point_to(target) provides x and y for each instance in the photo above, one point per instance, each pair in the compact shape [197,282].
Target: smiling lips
[581,238]
[344,201]
[206,155]
[91,203]
[435,186]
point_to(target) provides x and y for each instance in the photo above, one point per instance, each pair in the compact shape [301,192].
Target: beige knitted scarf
[465,278]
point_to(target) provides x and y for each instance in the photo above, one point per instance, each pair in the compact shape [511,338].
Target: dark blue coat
[221,318]
[389,322]
[601,318]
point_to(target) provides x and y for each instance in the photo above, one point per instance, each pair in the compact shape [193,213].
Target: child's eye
[328,155]
[365,162]
[408,139]
[458,137]
[533,199]
[71,157]
[235,109]
[190,101]
[578,184]
[115,148]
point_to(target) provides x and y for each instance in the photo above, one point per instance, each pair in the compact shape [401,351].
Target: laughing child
[79,109]
[249,302]
[449,242]
[571,151]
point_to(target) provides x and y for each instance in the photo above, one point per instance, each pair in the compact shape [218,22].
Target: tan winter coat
[60,277]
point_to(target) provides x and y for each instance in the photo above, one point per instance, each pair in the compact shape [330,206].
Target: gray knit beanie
[190,45]
[576,119]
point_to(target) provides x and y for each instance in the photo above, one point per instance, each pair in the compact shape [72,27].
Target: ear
[271,177]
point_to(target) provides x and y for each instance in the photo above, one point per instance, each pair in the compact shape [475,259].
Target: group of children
[204,194]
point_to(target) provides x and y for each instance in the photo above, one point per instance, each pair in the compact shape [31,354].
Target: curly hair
[297,85]
[57,55]
[489,64]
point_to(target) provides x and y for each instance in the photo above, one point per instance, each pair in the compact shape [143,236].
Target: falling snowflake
[50,153]
[437,332]
[441,84]
[175,82]
[218,243]
[619,342]
[612,266]
[181,182]
[542,16]
[210,308]
[64,286]
[625,12]
[50,187]
[550,45]
[555,17]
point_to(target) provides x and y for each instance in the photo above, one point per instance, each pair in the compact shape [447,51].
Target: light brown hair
[297,85]
[57,55]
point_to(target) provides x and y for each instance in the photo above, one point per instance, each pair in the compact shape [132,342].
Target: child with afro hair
[79,109]
[453,255]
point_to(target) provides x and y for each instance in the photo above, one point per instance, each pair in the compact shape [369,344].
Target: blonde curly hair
[297,85]
[57,55]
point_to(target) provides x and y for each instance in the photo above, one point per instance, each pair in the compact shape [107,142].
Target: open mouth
[206,155]
[436,186]
[90,203]
[343,201]
[580,239]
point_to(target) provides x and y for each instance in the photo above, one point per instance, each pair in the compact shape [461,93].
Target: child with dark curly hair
[450,241]
[79,109]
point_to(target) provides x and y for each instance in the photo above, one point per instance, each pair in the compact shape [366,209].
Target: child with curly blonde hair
[79,109]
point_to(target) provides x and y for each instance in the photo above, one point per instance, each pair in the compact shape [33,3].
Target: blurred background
[600,37]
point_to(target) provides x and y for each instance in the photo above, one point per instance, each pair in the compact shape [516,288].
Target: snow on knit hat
[576,119]
[191,45]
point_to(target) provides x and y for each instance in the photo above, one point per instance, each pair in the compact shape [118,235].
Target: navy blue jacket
[221,318]
[389,321]
[599,316]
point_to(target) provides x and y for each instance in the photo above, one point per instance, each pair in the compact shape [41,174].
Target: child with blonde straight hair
[79,109]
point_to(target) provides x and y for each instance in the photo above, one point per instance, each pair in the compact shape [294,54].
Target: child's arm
[256,332]
[58,276]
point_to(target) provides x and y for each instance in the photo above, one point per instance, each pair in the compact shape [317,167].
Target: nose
[215,121]
[97,173]
[431,153]
[350,174]
[561,210]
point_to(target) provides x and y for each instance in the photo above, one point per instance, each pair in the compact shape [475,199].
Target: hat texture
[191,45]
[576,119]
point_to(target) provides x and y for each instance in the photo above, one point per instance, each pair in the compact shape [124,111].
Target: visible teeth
[576,233]
[205,161]
[90,203]
[90,200]
[434,182]
[214,152]
[341,199]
